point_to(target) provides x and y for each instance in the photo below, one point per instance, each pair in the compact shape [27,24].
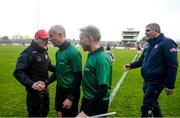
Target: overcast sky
[110,16]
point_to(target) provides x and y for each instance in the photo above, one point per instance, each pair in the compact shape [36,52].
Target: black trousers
[150,105]
[37,103]
[100,108]
[61,95]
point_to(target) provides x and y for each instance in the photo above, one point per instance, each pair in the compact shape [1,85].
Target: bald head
[57,29]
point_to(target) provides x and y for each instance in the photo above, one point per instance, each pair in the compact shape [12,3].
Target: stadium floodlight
[103,115]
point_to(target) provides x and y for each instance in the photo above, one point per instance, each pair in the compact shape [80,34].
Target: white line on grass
[103,115]
[119,82]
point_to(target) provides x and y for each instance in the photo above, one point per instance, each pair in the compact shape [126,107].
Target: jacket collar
[64,45]
[37,47]
[100,49]
[156,40]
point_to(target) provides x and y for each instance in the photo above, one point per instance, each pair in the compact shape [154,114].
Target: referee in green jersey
[97,77]
[68,73]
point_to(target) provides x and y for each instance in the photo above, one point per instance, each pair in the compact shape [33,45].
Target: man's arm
[76,63]
[170,55]
[51,67]
[74,91]
[137,63]
[22,65]
[76,84]
[51,79]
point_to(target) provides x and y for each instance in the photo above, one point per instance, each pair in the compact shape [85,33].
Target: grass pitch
[126,103]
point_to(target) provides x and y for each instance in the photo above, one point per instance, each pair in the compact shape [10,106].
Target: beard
[85,46]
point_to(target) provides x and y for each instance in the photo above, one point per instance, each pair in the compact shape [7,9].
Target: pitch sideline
[119,82]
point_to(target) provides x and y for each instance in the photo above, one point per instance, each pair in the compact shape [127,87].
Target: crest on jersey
[156,46]
[38,58]
[46,56]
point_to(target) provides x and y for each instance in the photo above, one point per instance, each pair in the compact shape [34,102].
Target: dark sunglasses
[44,40]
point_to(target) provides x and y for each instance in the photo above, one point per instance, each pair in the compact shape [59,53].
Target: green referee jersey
[68,61]
[97,71]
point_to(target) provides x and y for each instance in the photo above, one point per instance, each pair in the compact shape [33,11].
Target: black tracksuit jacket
[33,65]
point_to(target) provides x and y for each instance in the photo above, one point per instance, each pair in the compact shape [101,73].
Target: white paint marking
[119,82]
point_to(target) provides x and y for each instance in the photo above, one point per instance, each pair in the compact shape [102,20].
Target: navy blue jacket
[159,61]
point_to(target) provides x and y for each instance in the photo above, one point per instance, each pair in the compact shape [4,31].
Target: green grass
[126,103]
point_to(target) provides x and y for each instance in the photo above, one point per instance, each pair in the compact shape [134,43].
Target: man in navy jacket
[159,65]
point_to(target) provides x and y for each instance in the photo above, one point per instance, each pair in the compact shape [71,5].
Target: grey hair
[154,27]
[59,29]
[91,31]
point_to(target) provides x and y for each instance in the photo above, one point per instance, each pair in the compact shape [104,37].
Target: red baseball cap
[42,34]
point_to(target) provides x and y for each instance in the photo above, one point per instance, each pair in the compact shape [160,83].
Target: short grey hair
[59,29]
[91,31]
[154,27]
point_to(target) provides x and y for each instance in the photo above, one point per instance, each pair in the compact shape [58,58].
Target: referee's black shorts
[100,108]
[61,95]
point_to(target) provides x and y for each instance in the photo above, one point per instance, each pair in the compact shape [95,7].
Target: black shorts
[101,107]
[61,95]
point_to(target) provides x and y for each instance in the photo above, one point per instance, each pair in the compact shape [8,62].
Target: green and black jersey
[68,62]
[97,71]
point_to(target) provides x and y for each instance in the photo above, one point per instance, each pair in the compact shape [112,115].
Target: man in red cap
[41,38]
[31,71]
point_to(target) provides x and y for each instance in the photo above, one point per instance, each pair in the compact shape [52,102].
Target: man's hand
[67,104]
[126,67]
[39,86]
[82,114]
[169,91]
